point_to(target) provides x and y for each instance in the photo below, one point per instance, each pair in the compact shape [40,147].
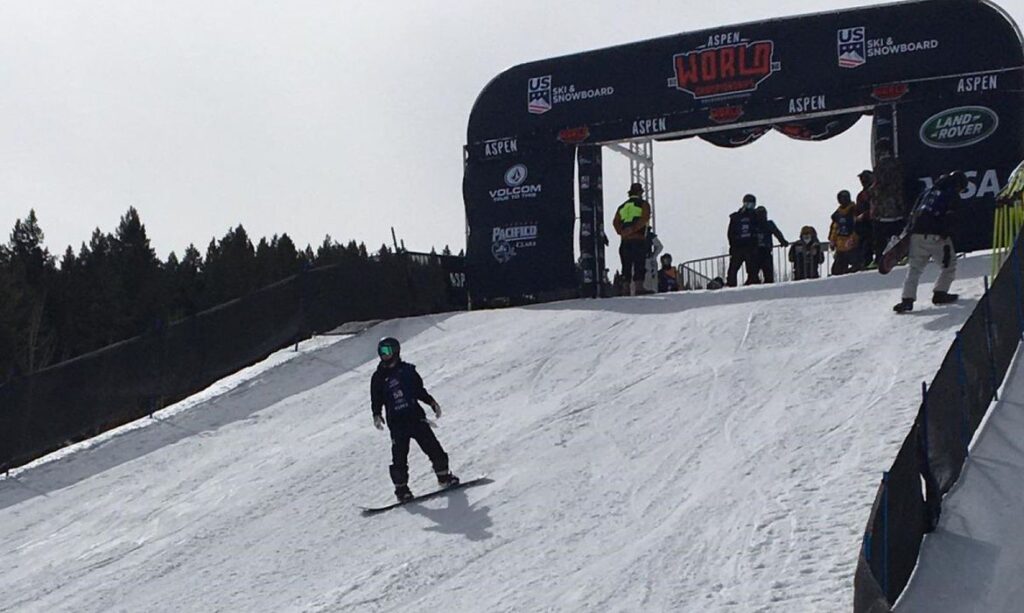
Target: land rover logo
[959,127]
[516,175]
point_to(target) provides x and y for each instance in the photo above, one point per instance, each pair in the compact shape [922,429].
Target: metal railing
[696,274]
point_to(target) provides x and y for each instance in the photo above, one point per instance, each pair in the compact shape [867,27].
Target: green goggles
[386,351]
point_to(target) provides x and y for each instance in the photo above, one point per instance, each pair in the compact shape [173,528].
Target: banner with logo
[779,70]
[521,216]
[945,79]
[976,132]
[592,236]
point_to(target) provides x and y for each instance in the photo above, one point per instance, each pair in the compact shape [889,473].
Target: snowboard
[896,250]
[367,511]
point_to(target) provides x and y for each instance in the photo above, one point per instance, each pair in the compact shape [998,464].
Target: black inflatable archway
[942,78]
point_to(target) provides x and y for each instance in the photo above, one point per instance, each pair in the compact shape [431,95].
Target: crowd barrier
[92,393]
[696,274]
[909,499]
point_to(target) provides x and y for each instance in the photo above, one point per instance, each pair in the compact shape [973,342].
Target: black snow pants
[748,258]
[421,432]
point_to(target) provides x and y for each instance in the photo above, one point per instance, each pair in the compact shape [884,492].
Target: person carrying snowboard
[930,231]
[396,390]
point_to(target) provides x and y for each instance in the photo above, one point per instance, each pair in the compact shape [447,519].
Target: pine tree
[230,267]
[31,271]
[287,258]
[138,271]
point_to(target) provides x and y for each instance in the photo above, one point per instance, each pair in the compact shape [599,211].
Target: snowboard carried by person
[895,251]
[396,390]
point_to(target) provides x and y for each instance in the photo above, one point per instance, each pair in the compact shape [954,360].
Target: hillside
[705,451]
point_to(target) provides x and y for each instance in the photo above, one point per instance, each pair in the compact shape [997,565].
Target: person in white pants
[930,229]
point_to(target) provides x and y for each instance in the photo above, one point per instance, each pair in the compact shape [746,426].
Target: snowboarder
[397,388]
[930,238]
[631,221]
[742,233]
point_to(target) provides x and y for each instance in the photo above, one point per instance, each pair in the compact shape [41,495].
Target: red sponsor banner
[574,136]
[725,114]
[890,92]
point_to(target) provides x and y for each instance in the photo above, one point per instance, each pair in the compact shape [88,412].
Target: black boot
[944,297]
[402,493]
[447,479]
[905,305]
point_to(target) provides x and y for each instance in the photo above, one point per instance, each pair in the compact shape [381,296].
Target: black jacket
[806,258]
[398,390]
[744,227]
[934,211]
[766,231]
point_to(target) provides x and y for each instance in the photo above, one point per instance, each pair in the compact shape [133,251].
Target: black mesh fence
[909,501]
[123,382]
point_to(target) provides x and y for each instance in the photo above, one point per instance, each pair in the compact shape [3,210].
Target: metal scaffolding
[641,168]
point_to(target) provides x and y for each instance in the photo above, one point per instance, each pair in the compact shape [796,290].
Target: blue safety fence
[909,499]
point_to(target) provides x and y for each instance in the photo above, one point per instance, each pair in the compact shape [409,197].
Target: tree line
[115,287]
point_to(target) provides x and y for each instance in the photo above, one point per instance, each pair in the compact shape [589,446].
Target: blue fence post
[988,342]
[885,535]
[961,376]
[1015,263]
[924,416]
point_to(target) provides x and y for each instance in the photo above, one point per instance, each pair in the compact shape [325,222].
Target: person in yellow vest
[631,221]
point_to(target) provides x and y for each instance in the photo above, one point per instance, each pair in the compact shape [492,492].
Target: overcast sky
[341,118]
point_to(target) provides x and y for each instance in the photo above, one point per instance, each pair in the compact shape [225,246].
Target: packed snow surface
[700,451]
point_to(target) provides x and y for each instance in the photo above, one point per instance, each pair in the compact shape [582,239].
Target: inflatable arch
[942,79]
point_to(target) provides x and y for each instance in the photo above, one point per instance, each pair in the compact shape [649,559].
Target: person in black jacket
[806,255]
[397,389]
[743,228]
[931,232]
[766,230]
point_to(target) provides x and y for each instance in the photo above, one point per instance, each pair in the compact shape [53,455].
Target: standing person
[888,207]
[806,255]
[742,233]
[930,230]
[864,226]
[631,221]
[397,388]
[654,248]
[766,229]
[843,236]
[668,276]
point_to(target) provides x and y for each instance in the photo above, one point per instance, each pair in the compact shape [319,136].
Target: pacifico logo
[960,127]
[506,241]
[723,66]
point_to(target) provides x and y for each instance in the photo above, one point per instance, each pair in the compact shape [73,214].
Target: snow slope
[702,451]
[974,560]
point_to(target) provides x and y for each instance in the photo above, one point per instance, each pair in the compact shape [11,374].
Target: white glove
[378,422]
[437,409]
